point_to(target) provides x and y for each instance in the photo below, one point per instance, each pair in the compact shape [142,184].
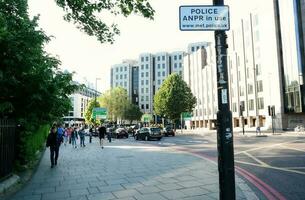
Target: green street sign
[99,113]
[187,116]
[146,118]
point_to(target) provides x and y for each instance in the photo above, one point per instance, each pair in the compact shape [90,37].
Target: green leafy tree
[132,113]
[173,98]
[88,113]
[116,101]
[85,14]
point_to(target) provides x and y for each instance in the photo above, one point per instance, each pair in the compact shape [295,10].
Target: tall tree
[116,101]
[88,113]
[173,98]
[85,13]
[132,112]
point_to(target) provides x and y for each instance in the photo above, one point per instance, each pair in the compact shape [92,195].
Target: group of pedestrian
[59,135]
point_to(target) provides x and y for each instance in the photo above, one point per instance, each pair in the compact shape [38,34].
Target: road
[274,166]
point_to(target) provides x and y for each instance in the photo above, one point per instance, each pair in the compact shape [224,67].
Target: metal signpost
[216,18]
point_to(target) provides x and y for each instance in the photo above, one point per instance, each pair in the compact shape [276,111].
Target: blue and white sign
[204,18]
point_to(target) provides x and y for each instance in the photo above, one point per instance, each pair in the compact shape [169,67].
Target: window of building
[125,69]
[121,76]
[125,76]
[146,74]
[175,65]
[121,69]
[159,74]
[142,98]
[147,98]
[234,107]
[259,86]
[146,66]
[146,82]
[180,57]
[159,81]
[117,69]
[251,104]
[260,102]
[147,58]
[180,73]
[142,74]
[146,90]
[142,59]
[163,57]
[142,106]
[258,69]
[193,49]
[125,84]
[163,66]
[241,90]
[163,73]
[250,89]
[142,66]
[175,57]
[158,66]
[117,76]
[158,58]
[142,82]
[147,106]
[180,65]
[142,90]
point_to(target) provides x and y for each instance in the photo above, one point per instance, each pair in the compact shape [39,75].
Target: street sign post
[187,116]
[99,113]
[216,18]
[204,18]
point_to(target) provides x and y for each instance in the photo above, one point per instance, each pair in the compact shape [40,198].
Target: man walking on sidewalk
[101,135]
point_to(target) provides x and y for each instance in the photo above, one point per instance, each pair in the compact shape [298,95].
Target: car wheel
[146,138]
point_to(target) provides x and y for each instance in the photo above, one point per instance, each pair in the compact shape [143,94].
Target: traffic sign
[204,18]
[99,113]
[187,116]
[147,117]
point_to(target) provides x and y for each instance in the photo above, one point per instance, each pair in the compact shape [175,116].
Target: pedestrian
[101,135]
[258,130]
[66,134]
[90,134]
[54,141]
[81,134]
[109,133]
[74,137]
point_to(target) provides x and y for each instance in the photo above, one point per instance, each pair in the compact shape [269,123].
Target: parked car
[148,133]
[168,131]
[120,133]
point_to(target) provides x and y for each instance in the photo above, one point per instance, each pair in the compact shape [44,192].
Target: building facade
[79,100]
[200,75]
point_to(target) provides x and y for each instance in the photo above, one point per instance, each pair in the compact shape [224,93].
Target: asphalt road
[274,166]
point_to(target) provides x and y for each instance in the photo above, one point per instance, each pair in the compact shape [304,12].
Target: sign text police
[204,18]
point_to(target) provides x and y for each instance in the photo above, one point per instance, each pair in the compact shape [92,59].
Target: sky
[90,59]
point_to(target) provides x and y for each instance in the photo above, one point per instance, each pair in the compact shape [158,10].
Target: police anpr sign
[204,18]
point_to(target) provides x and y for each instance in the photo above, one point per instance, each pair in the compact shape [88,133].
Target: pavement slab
[125,170]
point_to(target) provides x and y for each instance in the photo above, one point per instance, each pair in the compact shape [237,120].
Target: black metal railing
[7,146]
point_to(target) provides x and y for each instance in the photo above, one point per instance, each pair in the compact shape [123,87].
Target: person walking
[90,134]
[101,135]
[81,134]
[74,137]
[54,141]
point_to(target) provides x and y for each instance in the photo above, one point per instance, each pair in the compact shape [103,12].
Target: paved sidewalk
[125,170]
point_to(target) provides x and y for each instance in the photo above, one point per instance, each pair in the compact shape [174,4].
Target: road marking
[257,160]
[264,147]
[271,167]
[292,148]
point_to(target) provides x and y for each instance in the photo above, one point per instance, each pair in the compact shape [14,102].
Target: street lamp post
[95,94]
[224,119]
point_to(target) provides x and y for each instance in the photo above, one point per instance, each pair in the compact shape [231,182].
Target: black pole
[224,120]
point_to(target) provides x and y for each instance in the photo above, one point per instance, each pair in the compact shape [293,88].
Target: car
[120,133]
[168,131]
[148,133]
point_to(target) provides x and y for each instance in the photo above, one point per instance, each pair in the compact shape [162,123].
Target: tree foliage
[173,98]
[132,112]
[85,13]
[116,101]
[88,113]
[33,89]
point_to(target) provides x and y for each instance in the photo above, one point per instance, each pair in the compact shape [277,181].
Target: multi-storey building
[122,75]
[200,75]
[79,100]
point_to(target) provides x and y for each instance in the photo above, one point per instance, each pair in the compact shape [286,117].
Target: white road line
[257,160]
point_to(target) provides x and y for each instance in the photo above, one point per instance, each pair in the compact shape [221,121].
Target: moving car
[168,131]
[148,133]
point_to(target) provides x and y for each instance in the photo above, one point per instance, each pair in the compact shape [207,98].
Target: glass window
[125,69]
[163,73]
[250,89]
[146,58]
[125,84]
[158,66]
[142,98]
[180,57]
[142,82]
[121,76]
[234,107]
[159,73]
[125,76]
[121,69]
[193,49]
[146,66]
[258,69]
[260,103]
[146,82]
[159,81]
[147,106]
[260,86]
[175,65]
[146,90]
[117,76]
[117,69]
[175,57]
[163,57]
[142,66]
[142,90]
[147,98]
[158,58]
[251,104]
[142,74]
[142,106]
[180,65]
[142,59]
[163,66]
[146,74]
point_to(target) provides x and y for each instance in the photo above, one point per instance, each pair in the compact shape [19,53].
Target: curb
[8,183]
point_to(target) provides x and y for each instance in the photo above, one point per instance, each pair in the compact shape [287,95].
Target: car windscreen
[154,130]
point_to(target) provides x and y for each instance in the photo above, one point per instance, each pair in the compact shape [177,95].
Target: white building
[200,75]
[121,75]
[79,100]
